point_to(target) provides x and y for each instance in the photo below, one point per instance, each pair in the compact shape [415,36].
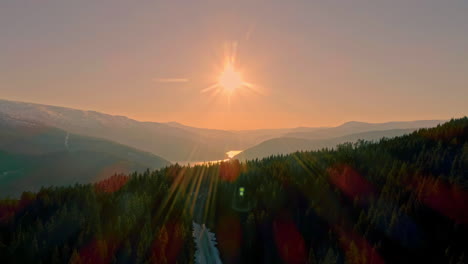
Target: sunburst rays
[230,79]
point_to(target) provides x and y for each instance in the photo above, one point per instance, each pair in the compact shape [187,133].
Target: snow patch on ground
[205,242]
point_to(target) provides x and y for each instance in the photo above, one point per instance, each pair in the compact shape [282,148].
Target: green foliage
[398,200]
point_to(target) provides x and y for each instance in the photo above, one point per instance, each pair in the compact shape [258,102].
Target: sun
[230,79]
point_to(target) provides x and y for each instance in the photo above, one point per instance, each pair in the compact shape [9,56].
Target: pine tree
[330,257]
[75,258]
[311,259]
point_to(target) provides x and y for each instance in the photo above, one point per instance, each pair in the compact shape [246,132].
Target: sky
[309,63]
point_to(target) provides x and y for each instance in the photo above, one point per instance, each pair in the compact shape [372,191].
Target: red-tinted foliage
[289,241]
[229,235]
[449,200]
[168,243]
[97,251]
[9,208]
[357,249]
[230,170]
[112,184]
[350,182]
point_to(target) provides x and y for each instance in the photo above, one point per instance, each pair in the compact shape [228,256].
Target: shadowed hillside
[34,155]
[285,145]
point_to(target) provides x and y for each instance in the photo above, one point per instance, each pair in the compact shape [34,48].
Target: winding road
[205,240]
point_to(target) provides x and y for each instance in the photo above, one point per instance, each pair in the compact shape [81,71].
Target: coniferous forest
[399,200]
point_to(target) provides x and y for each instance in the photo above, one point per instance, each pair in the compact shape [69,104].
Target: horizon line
[221,129]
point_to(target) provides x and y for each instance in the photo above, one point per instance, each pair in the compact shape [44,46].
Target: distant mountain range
[332,136]
[50,145]
[34,155]
[286,145]
[179,143]
[172,141]
[354,127]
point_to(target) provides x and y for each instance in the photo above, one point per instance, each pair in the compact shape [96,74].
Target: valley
[225,132]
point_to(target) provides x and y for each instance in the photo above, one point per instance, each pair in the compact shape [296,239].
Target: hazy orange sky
[312,63]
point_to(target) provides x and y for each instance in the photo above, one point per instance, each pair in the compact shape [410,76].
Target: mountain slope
[354,127]
[286,145]
[174,141]
[169,142]
[34,155]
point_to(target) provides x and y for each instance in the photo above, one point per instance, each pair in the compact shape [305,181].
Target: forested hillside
[285,145]
[400,200]
[34,155]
